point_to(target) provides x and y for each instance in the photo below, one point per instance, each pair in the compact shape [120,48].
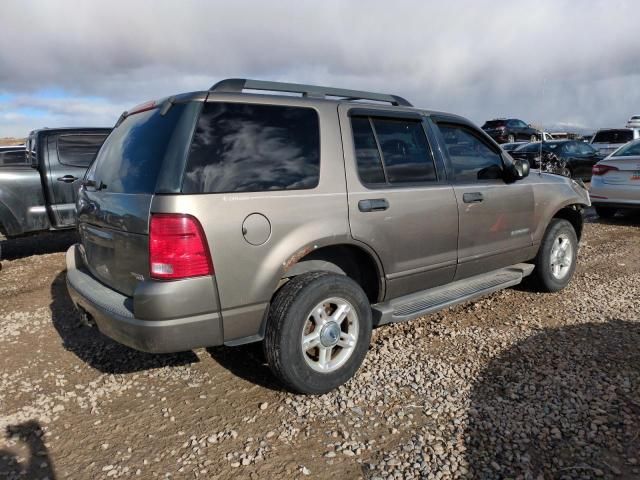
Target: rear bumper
[613,195]
[114,316]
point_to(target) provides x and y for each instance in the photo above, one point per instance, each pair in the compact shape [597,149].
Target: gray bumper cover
[113,313]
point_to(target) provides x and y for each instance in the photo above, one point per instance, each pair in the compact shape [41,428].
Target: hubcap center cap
[330,334]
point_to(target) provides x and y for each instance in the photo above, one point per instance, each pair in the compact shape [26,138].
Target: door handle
[473,197]
[67,179]
[373,205]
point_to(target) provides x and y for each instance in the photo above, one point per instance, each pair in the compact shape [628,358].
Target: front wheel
[318,332]
[533,138]
[556,259]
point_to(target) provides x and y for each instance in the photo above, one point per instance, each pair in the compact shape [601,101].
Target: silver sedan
[615,181]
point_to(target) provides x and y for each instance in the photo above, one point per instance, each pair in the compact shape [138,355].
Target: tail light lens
[599,169]
[177,247]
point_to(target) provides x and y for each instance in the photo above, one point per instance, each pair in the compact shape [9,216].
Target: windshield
[613,136]
[630,150]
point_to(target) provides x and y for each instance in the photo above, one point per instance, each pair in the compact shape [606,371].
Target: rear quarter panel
[299,220]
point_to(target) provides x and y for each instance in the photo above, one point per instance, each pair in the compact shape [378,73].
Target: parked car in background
[615,183]
[509,147]
[228,217]
[634,122]
[38,182]
[12,155]
[547,137]
[509,130]
[578,157]
[607,140]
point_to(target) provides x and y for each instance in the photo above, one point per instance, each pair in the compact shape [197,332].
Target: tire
[290,316]
[511,138]
[554,278]
[605,212]
[533,138]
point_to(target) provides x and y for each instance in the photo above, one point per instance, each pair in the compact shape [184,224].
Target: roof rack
[237,85]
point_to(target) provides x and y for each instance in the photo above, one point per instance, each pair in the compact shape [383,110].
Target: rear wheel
[511,138]
[318,332]
[605,212]
[556,259]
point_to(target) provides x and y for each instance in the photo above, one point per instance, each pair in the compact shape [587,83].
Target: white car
[615,181]
[634,121]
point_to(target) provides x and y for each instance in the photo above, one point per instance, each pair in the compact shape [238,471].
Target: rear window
[494,123]
[239,147]
[78,150]
[13,158]
[132,155]
[630,150]
[613,136]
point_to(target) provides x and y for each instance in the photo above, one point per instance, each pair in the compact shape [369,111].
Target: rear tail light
[177,247]
[599,169]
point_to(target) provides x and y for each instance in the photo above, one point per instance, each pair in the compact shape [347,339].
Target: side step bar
[421,303]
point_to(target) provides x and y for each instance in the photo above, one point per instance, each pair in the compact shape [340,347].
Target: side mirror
[517,170]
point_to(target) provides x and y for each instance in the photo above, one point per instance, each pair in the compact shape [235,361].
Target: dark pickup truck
[37,188]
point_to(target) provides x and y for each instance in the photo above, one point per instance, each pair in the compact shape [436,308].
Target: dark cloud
[545,61]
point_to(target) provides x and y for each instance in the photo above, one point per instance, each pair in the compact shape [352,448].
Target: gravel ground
[516,385]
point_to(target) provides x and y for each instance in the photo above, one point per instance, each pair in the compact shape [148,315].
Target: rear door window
[392,151]
[405,151]
[241,147]
[79,150]
[613,136]
[368,156]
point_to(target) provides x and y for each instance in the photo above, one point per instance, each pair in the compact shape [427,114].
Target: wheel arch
[353,260]
[573,214]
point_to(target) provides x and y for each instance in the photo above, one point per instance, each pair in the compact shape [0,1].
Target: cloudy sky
[68,63]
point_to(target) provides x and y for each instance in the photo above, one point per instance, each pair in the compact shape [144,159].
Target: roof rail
[237,85]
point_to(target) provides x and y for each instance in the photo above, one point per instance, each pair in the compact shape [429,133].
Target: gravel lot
[517,385]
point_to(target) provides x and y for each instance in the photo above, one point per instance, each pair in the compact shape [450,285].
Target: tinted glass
[471,158]
[132,155]
[613,136]
[570,148]
[367,154]
[631,150]
[241,147]
[494,124]
[79,150]
[584,149]
[405,151]
[14,158]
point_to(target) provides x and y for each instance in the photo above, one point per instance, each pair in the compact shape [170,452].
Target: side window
[585,149]
[13,158]
[393,152]
[471,159]
[405,151]
[242,147]
[79,150]
[521,124]
[367,154]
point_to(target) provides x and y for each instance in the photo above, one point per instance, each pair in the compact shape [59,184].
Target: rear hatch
[625,171]
[139,158]
[493,126]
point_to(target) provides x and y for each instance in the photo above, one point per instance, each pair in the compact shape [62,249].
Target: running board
[421,303]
